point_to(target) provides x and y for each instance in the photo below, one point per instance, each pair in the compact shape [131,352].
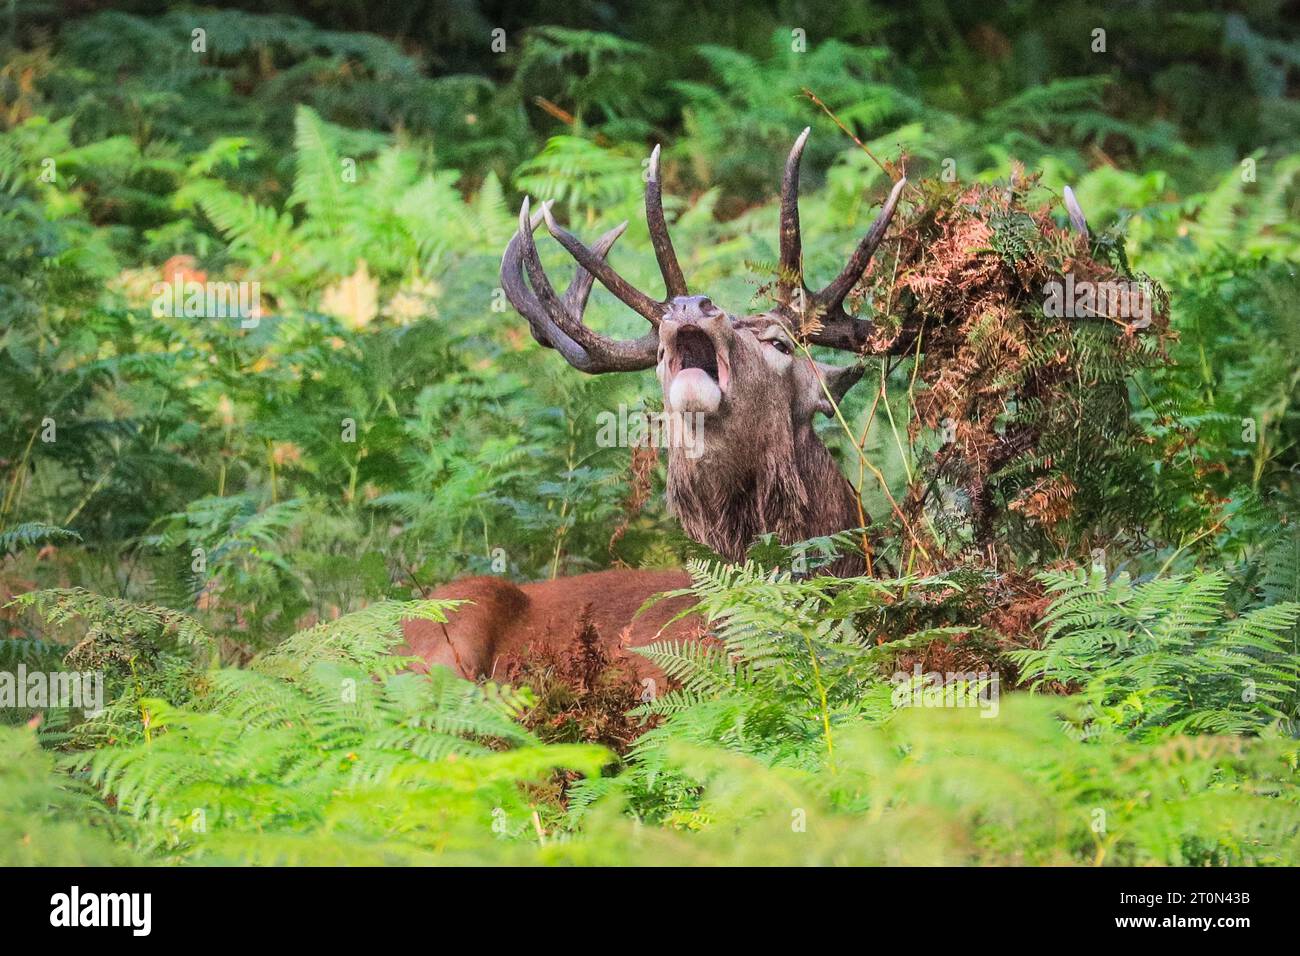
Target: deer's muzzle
[695,366]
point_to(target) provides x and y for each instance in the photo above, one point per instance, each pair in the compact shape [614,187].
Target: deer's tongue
[694,390]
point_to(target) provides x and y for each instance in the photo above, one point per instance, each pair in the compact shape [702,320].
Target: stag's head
[745,372]
[749,376]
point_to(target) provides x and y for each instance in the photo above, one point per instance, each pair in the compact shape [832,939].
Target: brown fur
[794,490]
[762,468]
[509,622]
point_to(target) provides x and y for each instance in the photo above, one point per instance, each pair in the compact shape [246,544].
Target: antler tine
[790,269]
[542,288]
[557,323]
[822,313]
[1077,219]
[575,297]
[674,281]
[525,301]
[832,297]
[512,279]
[632,297]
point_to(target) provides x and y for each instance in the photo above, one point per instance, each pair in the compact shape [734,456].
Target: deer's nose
[693,310]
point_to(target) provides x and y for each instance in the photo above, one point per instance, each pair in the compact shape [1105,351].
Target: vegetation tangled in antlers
[1032,409]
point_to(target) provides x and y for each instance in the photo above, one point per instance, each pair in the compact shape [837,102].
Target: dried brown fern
[1030,406]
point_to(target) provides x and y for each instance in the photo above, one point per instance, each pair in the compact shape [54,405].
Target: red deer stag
[761,467]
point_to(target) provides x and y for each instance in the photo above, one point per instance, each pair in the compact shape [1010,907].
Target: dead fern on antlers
[1031,333]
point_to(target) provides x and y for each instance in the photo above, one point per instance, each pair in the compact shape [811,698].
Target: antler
[821,314]
[557,323]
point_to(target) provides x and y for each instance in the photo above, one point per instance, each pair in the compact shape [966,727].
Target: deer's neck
[794,490]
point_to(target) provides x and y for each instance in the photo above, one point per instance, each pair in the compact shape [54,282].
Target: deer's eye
[779,345]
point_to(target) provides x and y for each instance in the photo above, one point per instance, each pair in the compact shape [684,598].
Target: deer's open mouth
[695,349]
[699,375]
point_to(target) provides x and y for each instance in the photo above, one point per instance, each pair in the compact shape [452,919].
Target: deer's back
[508,624]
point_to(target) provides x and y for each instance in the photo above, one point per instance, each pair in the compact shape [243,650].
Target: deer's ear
[839,379]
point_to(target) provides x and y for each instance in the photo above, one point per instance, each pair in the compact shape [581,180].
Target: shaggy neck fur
[792,488]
